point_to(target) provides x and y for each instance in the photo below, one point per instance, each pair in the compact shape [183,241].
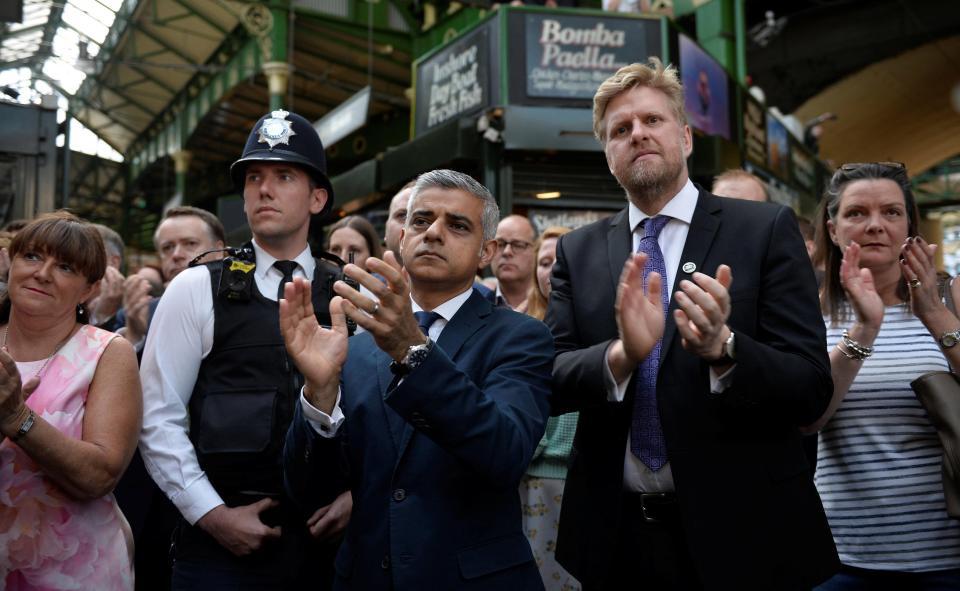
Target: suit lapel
[703,229]
[469,319]
[619,246]
[386,379]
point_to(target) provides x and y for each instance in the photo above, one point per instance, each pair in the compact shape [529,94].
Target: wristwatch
[416,355]
[949,339]
[25,426]
[729,351]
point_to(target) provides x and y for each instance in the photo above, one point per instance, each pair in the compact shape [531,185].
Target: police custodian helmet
[281,136]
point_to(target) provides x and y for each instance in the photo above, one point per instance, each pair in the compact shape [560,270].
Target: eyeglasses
[851,166]
[517,245]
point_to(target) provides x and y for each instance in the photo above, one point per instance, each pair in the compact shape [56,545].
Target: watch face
[417,355]
[949,339]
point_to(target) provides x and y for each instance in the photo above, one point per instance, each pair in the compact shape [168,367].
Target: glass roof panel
[25,63]
[81,20]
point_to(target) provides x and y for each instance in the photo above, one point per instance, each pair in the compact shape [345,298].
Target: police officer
[218,388]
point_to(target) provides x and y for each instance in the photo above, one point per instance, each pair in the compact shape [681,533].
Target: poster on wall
[453,82]
[754,132]
[778,148]
[803,169]
[706,90]
[567,57]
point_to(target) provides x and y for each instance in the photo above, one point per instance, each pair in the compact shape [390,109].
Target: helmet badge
[276,129]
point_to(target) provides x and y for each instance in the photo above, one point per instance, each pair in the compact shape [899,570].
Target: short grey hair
[111,240]
[451,179]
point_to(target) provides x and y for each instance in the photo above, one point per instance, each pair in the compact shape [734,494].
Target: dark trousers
[857,579]
[295,561]
[650,554]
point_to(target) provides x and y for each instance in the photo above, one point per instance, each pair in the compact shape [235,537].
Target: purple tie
[646,435]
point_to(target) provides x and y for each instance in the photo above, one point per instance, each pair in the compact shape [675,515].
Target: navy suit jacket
[751,516]
[434,462]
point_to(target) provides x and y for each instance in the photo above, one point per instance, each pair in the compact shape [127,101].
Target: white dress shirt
[637,476]
[327,425]
[180,337]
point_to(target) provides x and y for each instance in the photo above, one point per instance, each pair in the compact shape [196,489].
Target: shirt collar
[266,260]
[448,308]
[680,207]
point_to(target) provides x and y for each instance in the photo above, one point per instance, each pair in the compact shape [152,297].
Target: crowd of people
[639,403]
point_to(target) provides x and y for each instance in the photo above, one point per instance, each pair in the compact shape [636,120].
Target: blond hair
[738,174]
[653,74]
[536,301]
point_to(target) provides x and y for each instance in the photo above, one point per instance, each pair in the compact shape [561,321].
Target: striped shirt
[879,458]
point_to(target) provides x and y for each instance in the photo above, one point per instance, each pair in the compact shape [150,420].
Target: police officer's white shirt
[180,337]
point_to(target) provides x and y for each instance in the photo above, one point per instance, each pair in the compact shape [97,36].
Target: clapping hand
[390,319]
[639,311]
[136,305]
[13,410]
[861,292]
[917,263]
[318,352]
[703,306]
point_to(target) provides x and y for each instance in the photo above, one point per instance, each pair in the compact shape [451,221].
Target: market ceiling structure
[152,78]
[889,70]
[157,78]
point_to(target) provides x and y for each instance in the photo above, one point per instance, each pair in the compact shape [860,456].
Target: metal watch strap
[416,354]
[25,426]
[949,338]
[729,351]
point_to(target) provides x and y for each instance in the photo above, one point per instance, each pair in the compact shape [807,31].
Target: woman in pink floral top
[70,411]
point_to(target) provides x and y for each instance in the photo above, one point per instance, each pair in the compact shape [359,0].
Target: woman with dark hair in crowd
[878,462]
[354,234]
[70,412]
[541,489]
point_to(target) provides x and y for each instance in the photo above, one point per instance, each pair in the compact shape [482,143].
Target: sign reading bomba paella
[567,57]
[454,81]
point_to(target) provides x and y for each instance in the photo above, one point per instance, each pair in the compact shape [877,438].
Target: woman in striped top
[878,462]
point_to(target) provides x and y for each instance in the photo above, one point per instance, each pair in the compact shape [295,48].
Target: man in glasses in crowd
[513,265]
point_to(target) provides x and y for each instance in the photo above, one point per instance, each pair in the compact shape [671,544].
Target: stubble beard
[647,182]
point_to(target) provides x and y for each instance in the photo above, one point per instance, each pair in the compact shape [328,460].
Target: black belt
[653,507]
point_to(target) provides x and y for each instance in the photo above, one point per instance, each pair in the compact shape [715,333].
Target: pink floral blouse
[47,539]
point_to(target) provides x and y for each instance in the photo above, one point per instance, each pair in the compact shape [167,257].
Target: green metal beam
[126,97]
[88,104]
[171,128]
[159,40]
[45,49]
[716,32]
[199,14]
[107,48]
[358,28]
[139,70]
[279,32]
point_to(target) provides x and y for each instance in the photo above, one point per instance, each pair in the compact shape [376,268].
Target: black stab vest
[243,400]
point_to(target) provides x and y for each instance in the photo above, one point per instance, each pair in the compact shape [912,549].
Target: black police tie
[285,267]
[426,320]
